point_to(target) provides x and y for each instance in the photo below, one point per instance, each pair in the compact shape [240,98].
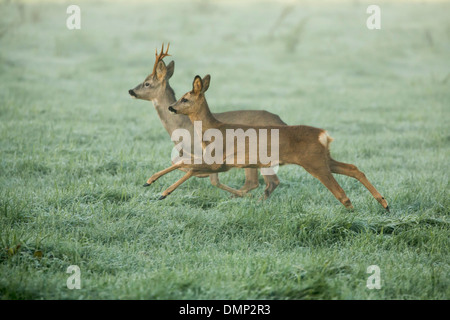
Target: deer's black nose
[172,109]
[131,92]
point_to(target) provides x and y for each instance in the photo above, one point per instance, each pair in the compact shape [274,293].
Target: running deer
[156,88]
[302,145]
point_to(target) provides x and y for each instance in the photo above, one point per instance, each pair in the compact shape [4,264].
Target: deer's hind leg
[352,171]
[324,175]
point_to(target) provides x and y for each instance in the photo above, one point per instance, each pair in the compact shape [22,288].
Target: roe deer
[156,88]
[302,145]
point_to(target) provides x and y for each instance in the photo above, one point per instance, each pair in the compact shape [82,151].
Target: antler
[160,56]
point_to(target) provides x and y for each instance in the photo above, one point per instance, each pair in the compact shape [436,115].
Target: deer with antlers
[156,88]
[302,145]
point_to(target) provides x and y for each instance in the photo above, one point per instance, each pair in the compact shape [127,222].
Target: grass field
[75,151]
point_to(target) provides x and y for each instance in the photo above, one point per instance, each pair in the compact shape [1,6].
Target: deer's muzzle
[132,93]
[172,109]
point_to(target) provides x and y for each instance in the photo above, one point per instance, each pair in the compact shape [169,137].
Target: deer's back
[250,117]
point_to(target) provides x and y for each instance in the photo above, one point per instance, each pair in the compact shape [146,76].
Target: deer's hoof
[146,184]
[387,209]
[233,196]
[162,198]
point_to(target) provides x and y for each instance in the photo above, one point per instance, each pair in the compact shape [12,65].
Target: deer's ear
[161,70]
[197,85]
[205,82]
[170,69]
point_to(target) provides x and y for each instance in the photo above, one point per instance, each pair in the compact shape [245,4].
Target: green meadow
[76,150]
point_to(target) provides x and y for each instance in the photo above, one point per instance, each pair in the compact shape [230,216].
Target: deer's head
[156,82]
[191,102]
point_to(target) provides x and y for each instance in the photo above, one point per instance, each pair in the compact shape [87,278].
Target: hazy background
[76,149]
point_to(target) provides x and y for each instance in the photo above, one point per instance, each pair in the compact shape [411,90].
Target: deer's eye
[147,84]
[184,100]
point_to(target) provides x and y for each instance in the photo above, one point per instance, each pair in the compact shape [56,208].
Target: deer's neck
[205,116]
[169,120]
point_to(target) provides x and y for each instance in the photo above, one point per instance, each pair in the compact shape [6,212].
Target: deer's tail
[325,139]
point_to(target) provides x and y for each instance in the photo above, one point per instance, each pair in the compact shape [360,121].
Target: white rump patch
[325,139]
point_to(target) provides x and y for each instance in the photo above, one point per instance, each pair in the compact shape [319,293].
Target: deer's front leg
[272,183]
[251,180]
[176,184]
[215,182]
[159,174]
